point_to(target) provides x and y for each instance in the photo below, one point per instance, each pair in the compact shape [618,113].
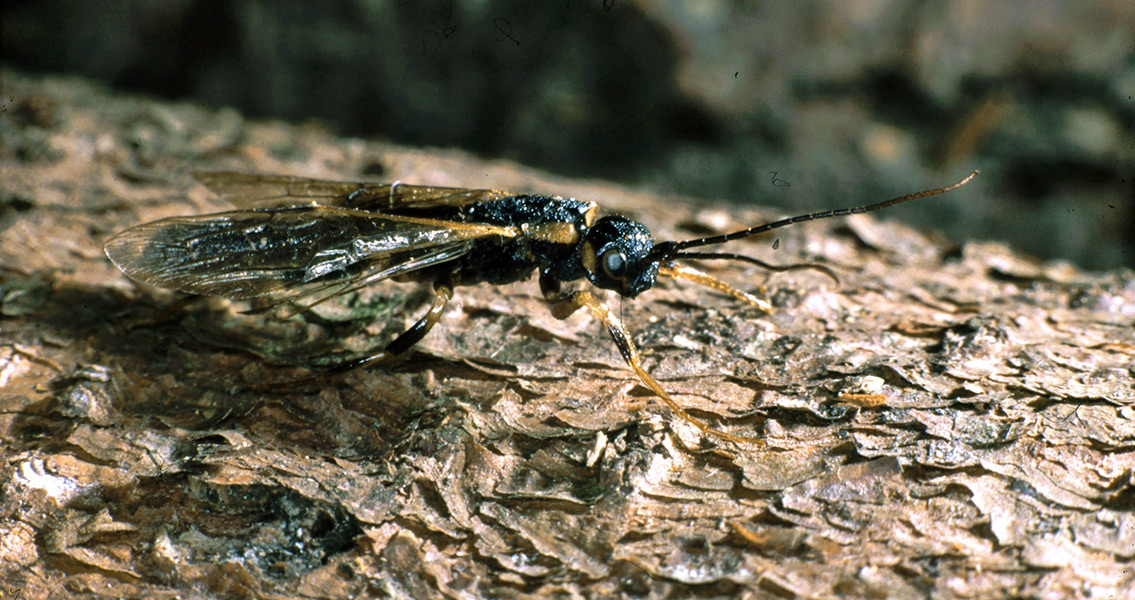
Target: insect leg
[566,304]
[676,271]
[400,344]
[413,335]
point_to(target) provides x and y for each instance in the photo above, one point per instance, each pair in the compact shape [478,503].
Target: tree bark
[945,420]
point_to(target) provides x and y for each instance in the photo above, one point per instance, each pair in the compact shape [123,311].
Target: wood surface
[950,419]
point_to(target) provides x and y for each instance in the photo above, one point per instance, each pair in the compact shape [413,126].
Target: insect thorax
[552,231]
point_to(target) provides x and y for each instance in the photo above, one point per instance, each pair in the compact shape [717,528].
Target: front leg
[563,305]
[676,271]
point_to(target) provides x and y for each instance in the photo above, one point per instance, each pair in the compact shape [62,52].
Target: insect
[301,242]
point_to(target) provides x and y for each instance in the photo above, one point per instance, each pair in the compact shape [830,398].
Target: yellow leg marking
[568,304]
[688,273]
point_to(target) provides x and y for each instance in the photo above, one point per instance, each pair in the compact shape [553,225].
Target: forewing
[286,253]
[248,191]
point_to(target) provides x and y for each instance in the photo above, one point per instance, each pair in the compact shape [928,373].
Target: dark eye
[614,264]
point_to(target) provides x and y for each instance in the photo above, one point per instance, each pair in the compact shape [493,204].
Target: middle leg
[563,305]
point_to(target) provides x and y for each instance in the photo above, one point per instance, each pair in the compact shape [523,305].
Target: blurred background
[802,105]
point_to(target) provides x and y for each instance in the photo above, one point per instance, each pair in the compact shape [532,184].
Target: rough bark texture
[947,420]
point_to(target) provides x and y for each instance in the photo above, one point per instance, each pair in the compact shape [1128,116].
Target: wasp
[301,242]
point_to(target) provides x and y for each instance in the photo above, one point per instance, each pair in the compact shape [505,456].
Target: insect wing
[311,252]
[248,191]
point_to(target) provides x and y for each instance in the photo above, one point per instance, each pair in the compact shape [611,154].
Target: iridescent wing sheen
[248,191]
[301,252]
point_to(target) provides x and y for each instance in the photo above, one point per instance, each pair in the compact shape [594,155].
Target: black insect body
[304,241]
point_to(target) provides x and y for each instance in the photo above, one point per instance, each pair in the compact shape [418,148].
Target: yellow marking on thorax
[589,216]
[555,233]
[587,257]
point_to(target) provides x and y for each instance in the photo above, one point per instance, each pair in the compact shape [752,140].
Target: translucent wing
[249,191]
[284,254]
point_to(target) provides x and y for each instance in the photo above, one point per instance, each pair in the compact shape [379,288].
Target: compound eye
[613,263]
